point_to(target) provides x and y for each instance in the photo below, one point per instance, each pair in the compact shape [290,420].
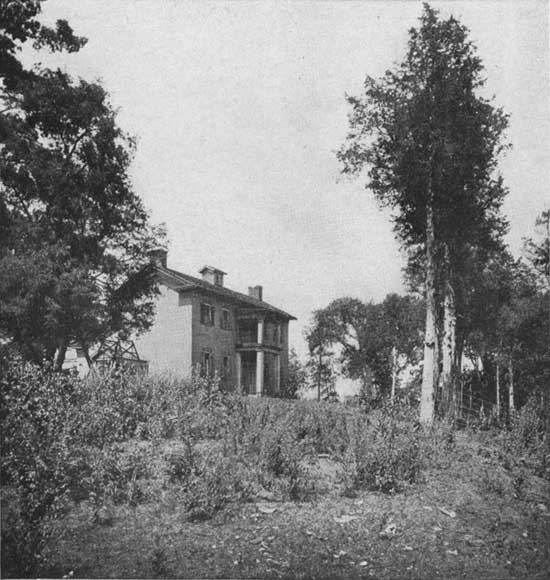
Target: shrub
[526,438]
[216,482]
[385,456]
[281,463]
[58,445]
[34,442]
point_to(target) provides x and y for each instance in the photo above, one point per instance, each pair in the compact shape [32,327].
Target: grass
[493,535]
[182,480]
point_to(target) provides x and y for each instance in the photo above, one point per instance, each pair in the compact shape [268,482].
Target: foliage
[365,336]
[321,373]
[59,444]
[296,377]
[74,235]
[427,114]
[527,437]
[216,482]
[386,455]
[538,250]
[430,143]
[126,440]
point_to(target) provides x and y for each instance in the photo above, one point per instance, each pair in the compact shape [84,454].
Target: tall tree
[75,237]
[371,342]
[296,377]
[538,250]
[430,143]
[319,365]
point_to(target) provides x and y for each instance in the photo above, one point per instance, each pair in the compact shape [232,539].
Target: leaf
[265,509]
[449,513]
[345,519]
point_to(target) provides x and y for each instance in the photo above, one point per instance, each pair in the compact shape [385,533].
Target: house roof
[185,283]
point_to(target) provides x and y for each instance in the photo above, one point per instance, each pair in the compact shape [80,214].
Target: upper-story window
[207,314]
[225,321]
[276,338]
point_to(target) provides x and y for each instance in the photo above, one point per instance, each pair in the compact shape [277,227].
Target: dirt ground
[469,518]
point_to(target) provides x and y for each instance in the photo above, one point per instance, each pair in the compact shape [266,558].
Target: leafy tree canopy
[365,334]
[74,236]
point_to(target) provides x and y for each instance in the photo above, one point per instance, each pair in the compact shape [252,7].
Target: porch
[258,372]
[258,356]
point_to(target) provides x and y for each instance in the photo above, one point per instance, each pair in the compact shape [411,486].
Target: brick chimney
[256,292]
[158,257]
[212,275]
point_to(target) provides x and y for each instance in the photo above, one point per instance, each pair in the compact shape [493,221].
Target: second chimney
[256,292]
[158,256]
[212,275]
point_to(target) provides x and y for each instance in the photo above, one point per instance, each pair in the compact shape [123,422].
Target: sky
[238,109]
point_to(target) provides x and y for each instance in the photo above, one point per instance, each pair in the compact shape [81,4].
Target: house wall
[284,352]
[177,340]
[74,360]
[167,346]
[216,340]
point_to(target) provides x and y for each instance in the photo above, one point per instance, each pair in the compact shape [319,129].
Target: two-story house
[201,324]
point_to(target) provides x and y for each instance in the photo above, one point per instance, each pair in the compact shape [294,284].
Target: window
[226,370]
[225,321]
[207,314]
[207,364]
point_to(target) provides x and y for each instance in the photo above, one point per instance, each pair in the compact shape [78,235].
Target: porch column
[278,373]
[238,371]
[259,373]
[260,337]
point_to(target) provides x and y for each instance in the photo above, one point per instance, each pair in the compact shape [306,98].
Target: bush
[35,448]
[281,464]
[58,445]
[527,438]
[385,455]
[216,482]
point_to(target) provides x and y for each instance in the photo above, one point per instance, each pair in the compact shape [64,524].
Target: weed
[385,457]
[158,558]
[217,482]
[492,481]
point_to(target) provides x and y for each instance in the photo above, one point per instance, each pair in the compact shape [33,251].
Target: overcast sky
[238,109]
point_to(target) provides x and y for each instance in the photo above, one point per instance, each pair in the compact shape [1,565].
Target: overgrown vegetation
[125,440]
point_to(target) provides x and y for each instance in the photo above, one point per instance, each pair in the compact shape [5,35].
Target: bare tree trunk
[393,372]
[461,403]
[470,405]
[430,337]
[86,351]
[498,386]
[319,377]
[448,343]
[59,357]
[511,404]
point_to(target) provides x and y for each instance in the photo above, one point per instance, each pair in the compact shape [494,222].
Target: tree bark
[497,388]
[59,357]
[448,342]
[511,405]
[393,372]
[430,337]
[319,377]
